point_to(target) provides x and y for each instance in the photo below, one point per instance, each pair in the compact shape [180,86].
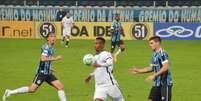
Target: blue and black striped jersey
[157,60]
[116,35]
[44,67]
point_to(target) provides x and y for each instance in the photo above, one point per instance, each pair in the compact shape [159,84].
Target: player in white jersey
[67,23]
[106,85]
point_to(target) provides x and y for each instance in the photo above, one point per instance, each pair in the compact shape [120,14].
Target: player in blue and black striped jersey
[162,81]
[117,30]
[43,73]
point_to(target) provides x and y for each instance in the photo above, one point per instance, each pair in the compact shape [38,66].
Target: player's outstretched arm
[160,72]
[135,70]
[89,77]
[53,58]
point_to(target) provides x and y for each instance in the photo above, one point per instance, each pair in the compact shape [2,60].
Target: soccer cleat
[66,46]
[6,94]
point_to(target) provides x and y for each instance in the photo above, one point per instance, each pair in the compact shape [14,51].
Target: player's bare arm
[88,78]
[53,58]
[112,30]
[135,70]
[162,70]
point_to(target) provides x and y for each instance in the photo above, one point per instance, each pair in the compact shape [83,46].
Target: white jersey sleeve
[107,60]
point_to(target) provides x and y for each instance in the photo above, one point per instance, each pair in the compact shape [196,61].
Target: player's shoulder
[163,52]
[45,46]
[64,18]
[113,22]
[106,54]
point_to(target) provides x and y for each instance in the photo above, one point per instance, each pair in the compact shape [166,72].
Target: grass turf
[19,60]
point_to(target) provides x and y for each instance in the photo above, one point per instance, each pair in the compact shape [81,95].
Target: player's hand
[134,71]
[59,57]
[53,70]
[87,80]
[150,78]
[95,65]
[112,30]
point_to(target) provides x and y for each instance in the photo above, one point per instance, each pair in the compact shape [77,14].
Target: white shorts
[66,31]
[112,91]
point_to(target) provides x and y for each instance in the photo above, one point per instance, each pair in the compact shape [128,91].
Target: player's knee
[32,90]
[60,87]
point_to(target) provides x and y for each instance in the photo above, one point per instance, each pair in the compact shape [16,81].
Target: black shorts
[40,78]
[118,43]
[163,93]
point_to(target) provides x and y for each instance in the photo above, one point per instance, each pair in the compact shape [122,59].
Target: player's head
[155,42]
[99,44]
[61,9]
[117,17]
[68,14]
[51,38]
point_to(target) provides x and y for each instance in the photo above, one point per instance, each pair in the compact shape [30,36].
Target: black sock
[67,42]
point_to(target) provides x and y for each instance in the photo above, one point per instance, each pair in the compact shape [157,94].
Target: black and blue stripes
[44,67]
[157,60]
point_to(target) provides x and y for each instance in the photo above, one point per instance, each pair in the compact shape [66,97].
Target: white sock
[119,51]
[20,90]
[61,95]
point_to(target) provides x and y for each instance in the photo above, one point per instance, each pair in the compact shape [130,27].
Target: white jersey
[67,22]
[103,75]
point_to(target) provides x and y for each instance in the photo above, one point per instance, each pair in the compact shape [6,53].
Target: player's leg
[166,93]
[20,90]
[38,80]
[59,86]
[53,81]
[155,94]
[100,94]
[115,93]
[63,36]
[67,37]
[68,33]
[121,46]
[113,45]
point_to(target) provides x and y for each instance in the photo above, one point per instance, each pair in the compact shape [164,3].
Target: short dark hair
[101,38]
[156,39]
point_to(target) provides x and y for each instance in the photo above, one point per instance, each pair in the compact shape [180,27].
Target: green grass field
[19,60]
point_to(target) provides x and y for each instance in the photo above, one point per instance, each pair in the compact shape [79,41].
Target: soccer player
[60,14]
[67,23]
[162,82]
[43,73]
[106,85]
[117,30]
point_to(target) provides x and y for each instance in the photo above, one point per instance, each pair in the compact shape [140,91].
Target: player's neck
[158,49]
[49,44]
[98,51]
